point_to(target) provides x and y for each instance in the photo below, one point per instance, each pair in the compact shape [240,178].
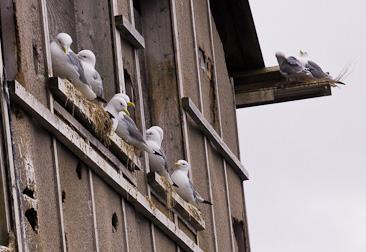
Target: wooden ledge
[75,104]
[216,140]
[187,211]
[129,33]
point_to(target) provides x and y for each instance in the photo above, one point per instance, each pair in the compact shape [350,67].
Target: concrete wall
[75,209]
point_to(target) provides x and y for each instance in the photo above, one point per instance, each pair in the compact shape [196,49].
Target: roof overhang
[254,83]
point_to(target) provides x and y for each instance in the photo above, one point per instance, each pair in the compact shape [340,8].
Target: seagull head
[280,54]
[87,56]
[155,133]
[126,98]
[182,165]
[115,105]
[64,40]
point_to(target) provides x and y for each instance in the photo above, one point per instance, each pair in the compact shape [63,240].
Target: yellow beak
[130,104]
[176,164]
[65,49]
[126,112]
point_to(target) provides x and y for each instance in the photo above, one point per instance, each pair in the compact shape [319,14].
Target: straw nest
[95,114]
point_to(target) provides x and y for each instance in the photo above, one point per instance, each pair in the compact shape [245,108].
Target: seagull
[316,71]
[114,107]
[157,160]
[67,65]
[291,68]
[185,188]
[87,59]
[123,124]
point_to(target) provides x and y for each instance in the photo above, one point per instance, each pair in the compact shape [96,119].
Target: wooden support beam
[275,95]
[82,149]
[211,134]
[129,32]
[62,92]
[190,213]
[267,86]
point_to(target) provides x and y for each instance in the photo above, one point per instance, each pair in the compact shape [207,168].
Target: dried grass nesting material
[96,115]
[193,210]
[169,192]
[151,203]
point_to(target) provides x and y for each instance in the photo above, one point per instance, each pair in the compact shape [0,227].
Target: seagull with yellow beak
[123,124]
[185,186]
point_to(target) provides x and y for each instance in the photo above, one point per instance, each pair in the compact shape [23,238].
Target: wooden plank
[276,95]
[211,134]
[117,46]
[217,95]
[129,32]
[61,112]
[191,214]
[95,161]
[75,105]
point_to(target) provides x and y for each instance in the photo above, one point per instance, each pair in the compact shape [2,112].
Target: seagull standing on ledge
[87,59]
[157,160]
[125,127]
[185,188]
[291,68]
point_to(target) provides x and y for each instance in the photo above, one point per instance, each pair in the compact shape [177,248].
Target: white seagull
[87,59]
[123,124]
[157,160]
[185,188]
[316,71]
[291,68]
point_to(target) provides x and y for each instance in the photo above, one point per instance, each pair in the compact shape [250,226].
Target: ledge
[86,153]
[267,86]
[129,33]
[64,92]
[187,211]
[216,140]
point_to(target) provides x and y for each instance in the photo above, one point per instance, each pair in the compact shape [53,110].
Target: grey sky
[307,158]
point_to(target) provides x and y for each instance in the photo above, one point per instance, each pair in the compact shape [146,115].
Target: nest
[96,115]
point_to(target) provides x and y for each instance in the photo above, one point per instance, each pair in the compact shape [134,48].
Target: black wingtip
[175,185]
[157,153]
[340,82]
[110,115]
[101,99]
[207,202]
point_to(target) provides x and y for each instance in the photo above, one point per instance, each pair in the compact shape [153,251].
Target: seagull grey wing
[316,70]
[294,61]
[74,60]
[132,129]
[97,86]
[161,153]
[195,193]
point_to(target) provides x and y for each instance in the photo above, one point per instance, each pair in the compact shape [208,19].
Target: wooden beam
[267,86]
[76,105]
[95,161]
[129,32]
[276,95]
[66,116]
[211,134]
[190,213]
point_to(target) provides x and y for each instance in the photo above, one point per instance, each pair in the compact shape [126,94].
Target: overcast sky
[307,159]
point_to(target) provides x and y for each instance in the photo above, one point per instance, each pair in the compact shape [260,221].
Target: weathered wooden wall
[183,57]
